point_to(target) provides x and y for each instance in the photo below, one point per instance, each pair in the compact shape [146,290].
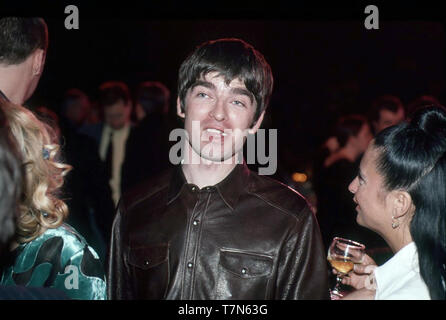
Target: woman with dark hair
[400,193]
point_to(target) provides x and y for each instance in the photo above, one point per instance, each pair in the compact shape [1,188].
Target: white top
[400,278]
[119,142]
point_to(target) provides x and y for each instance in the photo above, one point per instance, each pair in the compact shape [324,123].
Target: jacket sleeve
[118,276]
[86,268]
[302,269]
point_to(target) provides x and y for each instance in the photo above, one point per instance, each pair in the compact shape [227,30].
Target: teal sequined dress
[59,258]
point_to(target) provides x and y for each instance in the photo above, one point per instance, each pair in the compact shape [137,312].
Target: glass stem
[338,283]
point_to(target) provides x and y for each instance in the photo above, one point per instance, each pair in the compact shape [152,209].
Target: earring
[395,223]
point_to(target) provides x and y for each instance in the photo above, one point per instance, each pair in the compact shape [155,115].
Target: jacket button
[146,262]
[194,188]
[196,222]
[190,265]
[244,271]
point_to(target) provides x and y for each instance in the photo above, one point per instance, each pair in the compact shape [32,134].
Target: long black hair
[412,157]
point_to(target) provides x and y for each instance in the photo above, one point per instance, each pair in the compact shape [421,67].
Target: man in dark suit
[149,137]
[111,135]
[87,189]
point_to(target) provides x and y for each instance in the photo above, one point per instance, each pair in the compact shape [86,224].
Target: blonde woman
[46,251]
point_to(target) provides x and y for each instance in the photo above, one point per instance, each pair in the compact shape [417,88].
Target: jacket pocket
[150,268]
[243,275]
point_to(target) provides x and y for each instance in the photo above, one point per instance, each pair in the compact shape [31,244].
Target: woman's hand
[361,294]
[362,275]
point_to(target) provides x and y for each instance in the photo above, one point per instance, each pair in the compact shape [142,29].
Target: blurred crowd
[111,143]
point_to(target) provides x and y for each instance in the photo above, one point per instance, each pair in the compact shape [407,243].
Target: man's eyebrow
[242,91]
[202,83]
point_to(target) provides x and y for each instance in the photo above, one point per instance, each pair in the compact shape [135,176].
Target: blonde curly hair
[40,207]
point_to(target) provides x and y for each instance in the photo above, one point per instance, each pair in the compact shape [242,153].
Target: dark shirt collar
[229,189]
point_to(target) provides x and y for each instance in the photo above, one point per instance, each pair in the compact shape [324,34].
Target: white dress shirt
[400,278]
[119,141]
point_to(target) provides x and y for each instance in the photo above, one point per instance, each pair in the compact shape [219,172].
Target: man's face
[117,115]
[388,118]
[218,116]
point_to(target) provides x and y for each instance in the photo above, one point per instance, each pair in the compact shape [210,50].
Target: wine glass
[342,255]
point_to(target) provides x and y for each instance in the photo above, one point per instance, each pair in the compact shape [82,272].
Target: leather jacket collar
[229,188]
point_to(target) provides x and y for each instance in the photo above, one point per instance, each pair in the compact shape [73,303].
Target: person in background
[152,97]
[87,187]
[46,252]
[335,210]
[149,137]
[49,117]
[23,46]
[386,111]
[420,102]
[111,135]
[400,193]
[75,108]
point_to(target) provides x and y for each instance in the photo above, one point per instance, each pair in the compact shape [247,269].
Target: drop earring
[395,223]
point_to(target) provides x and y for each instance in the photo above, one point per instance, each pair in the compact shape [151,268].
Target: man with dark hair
[23,45]
[386,111]
[152,97]
[75,108]
[149,137]
[213,229]
[115,102]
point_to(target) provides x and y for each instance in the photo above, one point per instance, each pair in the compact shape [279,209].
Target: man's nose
[218,112]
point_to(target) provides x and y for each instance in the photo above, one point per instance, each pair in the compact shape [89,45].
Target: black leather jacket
[248,237]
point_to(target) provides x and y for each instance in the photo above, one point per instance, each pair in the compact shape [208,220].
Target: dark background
[325,63]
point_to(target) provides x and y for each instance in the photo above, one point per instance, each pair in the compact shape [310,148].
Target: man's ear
[402,205]
[180,111]
[38,61]
[257,124]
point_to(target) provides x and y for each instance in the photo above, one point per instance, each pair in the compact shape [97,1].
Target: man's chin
[207,159]
[215,153]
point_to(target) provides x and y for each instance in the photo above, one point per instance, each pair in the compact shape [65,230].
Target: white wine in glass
[342,255]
